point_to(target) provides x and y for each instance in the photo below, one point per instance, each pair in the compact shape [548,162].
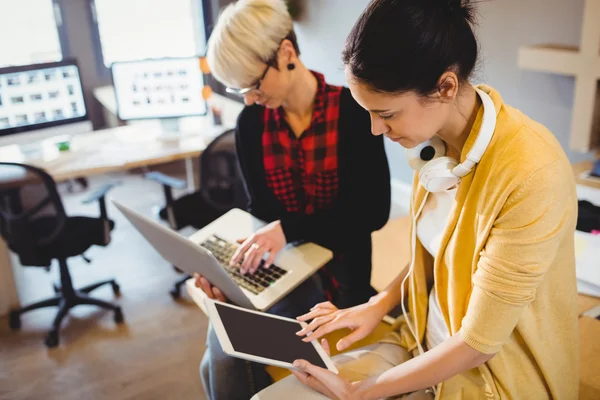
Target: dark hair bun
[460,8]
[406,45]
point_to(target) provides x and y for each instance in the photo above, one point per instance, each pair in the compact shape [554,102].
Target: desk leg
[189,173]
[8,291]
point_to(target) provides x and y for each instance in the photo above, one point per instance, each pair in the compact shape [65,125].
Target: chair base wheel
[14,321]
[119,316]
[52,339]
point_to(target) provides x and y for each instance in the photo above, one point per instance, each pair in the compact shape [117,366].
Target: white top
[430,228]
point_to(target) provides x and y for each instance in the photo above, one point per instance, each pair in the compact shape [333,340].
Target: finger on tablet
[317,372]
[323,330]
[325,304]
[351,338]
[314,314]
[320,379]
[325,345]
[317,322]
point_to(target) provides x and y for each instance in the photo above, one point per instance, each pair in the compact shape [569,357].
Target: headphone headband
[484,137]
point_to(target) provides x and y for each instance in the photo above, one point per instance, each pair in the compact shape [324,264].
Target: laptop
[208,252]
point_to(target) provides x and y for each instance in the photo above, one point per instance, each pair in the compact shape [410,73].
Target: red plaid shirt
[303,172]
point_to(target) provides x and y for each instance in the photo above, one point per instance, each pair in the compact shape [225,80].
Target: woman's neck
[302,93]
[461,120]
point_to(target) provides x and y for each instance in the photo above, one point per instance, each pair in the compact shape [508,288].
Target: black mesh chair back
[221,189]
[31,211]
[35,226]
[221,181]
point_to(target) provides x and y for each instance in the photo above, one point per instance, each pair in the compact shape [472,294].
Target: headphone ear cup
[423,153]
[437,176]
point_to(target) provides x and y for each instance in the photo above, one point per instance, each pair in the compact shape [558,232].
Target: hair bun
[462,8]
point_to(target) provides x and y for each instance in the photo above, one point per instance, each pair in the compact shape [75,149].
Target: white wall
[504,25]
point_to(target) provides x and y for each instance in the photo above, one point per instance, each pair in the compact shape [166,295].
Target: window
[29,32]
[139,29]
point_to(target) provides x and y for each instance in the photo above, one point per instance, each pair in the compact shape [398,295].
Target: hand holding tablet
[264,338]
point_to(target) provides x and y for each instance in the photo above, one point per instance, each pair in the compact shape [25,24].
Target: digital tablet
[263,338]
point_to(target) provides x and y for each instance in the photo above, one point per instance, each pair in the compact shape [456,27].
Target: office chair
[36,228]
[221,189]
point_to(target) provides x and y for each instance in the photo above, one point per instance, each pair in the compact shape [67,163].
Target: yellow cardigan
[505,271]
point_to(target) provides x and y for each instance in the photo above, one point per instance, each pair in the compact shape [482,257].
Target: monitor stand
[170,128]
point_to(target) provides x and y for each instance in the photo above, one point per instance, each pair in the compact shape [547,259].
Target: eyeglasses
[273,61]
[256,86]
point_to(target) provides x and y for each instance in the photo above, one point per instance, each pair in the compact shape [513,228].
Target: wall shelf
[583,64]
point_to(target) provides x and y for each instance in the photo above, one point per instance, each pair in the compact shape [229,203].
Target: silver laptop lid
[185,255]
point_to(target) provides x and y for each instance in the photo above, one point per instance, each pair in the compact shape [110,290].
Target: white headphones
[437,172]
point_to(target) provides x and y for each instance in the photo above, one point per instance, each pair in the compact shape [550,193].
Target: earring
[291,66]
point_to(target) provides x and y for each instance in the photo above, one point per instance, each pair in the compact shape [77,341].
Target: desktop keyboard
[255,283]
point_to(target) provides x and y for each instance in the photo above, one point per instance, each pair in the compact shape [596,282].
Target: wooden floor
[155,354]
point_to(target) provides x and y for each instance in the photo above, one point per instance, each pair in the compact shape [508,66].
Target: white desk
[110,150]
[115,149]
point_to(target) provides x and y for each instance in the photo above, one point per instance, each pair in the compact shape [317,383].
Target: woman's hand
[325,381]
[211,291]
[269,238]
[326,317]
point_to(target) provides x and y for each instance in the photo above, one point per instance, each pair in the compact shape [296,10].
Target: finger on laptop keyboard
[249,257]
[258,258]
[270,259]
[239,253]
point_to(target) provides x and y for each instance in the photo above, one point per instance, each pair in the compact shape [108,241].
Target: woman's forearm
[437,365]
[391,296]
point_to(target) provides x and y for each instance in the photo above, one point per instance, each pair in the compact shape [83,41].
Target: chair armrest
[168,183]
[165,180]
[99,196]
[100,193]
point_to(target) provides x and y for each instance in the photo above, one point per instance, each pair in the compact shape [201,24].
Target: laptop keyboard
[255,283]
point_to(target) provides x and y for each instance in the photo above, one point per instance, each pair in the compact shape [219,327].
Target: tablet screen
[262,336]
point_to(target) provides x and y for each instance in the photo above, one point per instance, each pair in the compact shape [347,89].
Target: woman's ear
[448,86]
[287,53]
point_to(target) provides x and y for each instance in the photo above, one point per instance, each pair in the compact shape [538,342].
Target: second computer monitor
[41,100]
[159,88]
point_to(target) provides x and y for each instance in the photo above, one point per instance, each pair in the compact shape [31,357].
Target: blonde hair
[248,33]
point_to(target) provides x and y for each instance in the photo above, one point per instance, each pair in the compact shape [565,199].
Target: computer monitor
[41,100]
[166,88]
